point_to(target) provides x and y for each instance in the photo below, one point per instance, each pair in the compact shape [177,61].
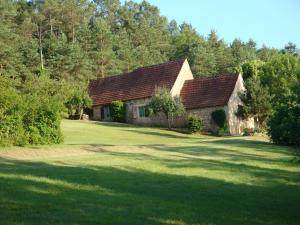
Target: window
[143,112]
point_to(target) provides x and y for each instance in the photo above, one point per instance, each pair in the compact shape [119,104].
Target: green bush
[221,131]
[284,125]
[30,112]
[195,123]
[248,131]
[219,117]
[118,111]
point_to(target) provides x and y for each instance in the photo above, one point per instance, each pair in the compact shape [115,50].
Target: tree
[251,69]
[290,48]
[10,59]
[163,102]
[243,52]
[77,101]
[102,52]
[222,54]
[280,76]
[189,44]
[256,102]
[284,124]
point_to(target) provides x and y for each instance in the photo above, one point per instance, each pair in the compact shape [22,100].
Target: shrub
[31,113]
[221,131]
[219,117]
[195,123]
[248,131]
[11,113]
[284,125]
[118,111]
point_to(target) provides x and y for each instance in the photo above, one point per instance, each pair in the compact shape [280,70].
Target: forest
[50,49]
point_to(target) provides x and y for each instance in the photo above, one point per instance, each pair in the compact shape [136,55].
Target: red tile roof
[137,84]
[208,92]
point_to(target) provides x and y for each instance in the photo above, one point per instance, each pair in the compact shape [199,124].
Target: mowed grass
[108,173]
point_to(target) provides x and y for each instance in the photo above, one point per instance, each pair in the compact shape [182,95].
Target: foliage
[12,131]
[77,100]
[248,131]
[118,111]
[221,131]
[284,125]
[219,117]
[280,76]
[256,102]
[195,123]
[30,114]
[163,102]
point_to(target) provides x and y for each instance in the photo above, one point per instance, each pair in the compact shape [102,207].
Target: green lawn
[109,173]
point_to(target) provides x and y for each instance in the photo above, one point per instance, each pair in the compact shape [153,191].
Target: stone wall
[205,114]
[132,114]
[235,124]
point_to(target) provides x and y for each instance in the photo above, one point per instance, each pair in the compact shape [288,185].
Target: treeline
[70,42]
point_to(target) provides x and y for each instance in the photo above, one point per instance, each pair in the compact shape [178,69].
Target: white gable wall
[185,73]
[236,125]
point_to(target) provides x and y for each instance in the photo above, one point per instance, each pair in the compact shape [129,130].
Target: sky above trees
[273,23]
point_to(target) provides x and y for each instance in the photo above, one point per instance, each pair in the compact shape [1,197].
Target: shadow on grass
[35,193]
[214,159]
[254,144]
[161,131]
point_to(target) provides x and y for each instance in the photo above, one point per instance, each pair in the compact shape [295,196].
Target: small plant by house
[195,123]
[248,132]
[219,117]
[118,111]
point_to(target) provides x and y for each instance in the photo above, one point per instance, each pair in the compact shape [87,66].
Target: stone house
[200,96]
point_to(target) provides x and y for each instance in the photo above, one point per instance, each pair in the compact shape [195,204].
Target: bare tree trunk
[73,27]
[102,56]
[80,110]
[51,25]
[169,122]
[40,45]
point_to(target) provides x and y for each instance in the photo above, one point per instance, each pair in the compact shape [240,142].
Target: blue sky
[273,23]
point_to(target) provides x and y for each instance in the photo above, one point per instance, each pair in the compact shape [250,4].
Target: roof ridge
[216,76]
[160,64]
[139,68]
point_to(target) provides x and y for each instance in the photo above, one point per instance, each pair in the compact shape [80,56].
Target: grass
[109,173]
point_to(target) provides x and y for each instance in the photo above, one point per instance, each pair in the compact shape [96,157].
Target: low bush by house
[195,123]
[118,111]
[219,117]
